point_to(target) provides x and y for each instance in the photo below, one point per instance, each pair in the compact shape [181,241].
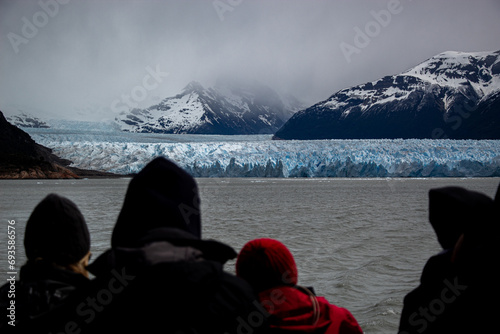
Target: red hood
[292,310]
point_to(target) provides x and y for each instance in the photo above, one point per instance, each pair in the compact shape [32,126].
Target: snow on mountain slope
[479,69]
[173,115]
[26,120]
[452,95]
[266,158]
[227,108]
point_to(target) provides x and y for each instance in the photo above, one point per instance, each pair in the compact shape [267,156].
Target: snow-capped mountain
[228,108]
[452,95]
[25,120]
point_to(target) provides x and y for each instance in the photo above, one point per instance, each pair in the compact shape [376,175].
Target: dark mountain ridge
[453,95]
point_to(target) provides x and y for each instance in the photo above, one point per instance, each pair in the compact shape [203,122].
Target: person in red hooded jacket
[269,267]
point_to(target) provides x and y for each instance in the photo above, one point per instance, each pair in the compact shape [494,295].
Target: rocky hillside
[22,158]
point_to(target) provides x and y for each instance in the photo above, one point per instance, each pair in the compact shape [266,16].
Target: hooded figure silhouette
[458,286]
[160,274]
[161,196]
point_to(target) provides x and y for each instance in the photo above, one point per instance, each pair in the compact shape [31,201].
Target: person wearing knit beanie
[269,267]
[266,263]
[56,232]
[57,245]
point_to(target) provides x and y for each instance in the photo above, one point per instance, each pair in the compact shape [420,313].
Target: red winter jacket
[296,309]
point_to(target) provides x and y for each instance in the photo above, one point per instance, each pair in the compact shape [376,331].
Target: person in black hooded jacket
[57,245]
[458,291]
[159,275]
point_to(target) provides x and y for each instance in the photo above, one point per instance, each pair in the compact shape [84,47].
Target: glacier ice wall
[261,157]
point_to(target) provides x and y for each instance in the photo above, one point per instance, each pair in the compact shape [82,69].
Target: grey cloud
[92,52]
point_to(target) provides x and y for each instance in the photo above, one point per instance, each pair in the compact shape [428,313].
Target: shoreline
[61,173]
[96,175]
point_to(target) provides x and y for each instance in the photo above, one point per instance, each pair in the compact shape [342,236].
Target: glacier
[258,156]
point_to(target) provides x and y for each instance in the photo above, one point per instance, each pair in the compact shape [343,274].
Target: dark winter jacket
[298,310]
[453,298]
[458,289]
[42,289]
[55,236]
[159,275]
[172,283]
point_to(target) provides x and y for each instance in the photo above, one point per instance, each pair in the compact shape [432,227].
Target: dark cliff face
[22,157]
[420,116]
[451,95]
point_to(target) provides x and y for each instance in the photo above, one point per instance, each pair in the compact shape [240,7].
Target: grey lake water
[361,243]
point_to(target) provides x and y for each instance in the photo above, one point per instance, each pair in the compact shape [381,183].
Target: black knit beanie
[161,195]
[56,232]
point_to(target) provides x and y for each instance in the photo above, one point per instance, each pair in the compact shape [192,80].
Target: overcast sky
[81,59]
